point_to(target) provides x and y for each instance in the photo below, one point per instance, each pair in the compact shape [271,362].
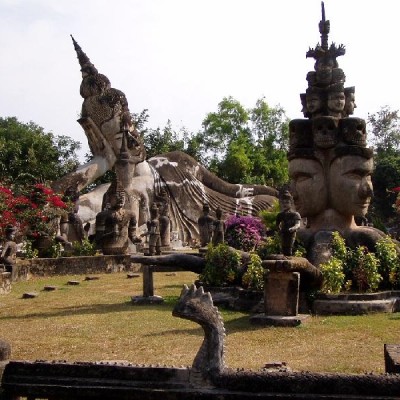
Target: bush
[244,233]
[270,245]
[253,278]
[357,269]
[86,248]
[389,262]
[333,276]
[222,265]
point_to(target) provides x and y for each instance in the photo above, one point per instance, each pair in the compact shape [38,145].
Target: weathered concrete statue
[219,228]
[153,231]
[9,253]
[206,226]
[329,164]
[287,223]
[107,123]
[119,223]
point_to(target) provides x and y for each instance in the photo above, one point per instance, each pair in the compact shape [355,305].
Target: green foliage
[86,248]
[268,217]
[247,146]
[389,262]
[222,265]
[364,269]
[30,252]
[384,129]
[360,269]
[270,245]
[333,275]
[26,147]
[56,250]
[253,278]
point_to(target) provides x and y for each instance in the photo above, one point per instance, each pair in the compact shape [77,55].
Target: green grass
[96,321]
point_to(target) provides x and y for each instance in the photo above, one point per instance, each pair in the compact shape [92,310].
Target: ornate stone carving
[330,178]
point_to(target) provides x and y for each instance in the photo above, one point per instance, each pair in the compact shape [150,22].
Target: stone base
[357,304]
[278,320]
[392,358]
[138,300]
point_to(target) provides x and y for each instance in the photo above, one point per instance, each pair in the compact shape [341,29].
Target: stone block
[281,293]
[392,358]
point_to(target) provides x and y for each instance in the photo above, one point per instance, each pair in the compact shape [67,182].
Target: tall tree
[384,130]
[26,149]
[247,146]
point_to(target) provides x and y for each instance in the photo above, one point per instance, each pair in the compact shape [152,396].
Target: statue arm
[104,159]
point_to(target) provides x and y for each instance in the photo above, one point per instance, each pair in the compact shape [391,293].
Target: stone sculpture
[107,124]
[117,225]
[153,227]
[330,165]
[9,253]
[219,228]
[206,226]
[287,223]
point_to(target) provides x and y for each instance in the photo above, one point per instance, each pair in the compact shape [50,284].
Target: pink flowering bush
[244,232]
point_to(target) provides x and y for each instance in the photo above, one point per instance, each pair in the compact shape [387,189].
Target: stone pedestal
[148,288]
[5,282]
[281,293]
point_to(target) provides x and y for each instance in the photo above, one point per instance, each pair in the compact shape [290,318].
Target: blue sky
[179,58]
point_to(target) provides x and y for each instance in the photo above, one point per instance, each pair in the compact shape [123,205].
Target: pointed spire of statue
[84,61]
[324,28]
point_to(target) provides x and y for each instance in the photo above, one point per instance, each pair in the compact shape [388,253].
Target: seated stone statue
[287,223]
[119,224]
[8,254]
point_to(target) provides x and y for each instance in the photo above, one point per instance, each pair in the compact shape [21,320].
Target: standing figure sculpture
[9,252]
[287,223]
[206,226]
[219,228]
[153,231]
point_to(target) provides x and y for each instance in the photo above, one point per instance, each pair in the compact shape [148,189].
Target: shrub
[333,275]
[222,265]
[364,269]
[268,217]
[244,232]
[253,278]
[86,248]
[389,262]
[270,245]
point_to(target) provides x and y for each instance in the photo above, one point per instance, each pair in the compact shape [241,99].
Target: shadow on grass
[95,309]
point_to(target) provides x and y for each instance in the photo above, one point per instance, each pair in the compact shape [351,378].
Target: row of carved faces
[336,103]
[326,132]
[342,184]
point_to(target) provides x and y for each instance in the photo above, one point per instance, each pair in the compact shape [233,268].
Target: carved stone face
[325,131]
[336,102]
[350,185]
[307,186]
[354,131]
[314,102]
[350,104]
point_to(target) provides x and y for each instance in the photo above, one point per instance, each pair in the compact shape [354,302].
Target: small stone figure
[287,223]
[8,254]
[153,231]
[165,224]
[206,226]
[219,228]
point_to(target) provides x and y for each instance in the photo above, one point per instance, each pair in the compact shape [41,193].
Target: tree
[384,126]
[247,146]
[26,150]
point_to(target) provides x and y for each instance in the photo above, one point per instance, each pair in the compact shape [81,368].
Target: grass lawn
[96,321]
